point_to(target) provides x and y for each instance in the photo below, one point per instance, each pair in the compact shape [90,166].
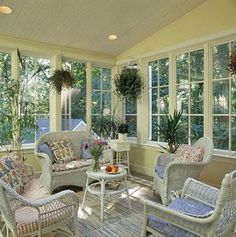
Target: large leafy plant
[172,131]
[17,116]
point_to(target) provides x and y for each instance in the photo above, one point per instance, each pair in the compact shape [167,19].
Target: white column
[89,96]
[55,99]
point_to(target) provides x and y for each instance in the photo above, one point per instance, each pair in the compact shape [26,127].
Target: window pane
[154,128]
[153,73]
[163,101]
[74,99]
[220,61]
[233,96]
[106,100]
[96,102]
[233,131]
[106,78]
[96,78]
[197,90]
[182,98]
[221,132]
[132,122]
[154,101]
[182,68]
[164,71]
[197,65]
[131,107]
[197,128]
[221,97]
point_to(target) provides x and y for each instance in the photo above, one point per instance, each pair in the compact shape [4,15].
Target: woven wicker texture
[176,172]
[221,223]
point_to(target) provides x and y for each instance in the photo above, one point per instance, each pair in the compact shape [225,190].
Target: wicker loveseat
[70,173]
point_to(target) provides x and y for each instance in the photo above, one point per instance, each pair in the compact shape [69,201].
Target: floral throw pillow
[9,174]
[189,153]
[62,150]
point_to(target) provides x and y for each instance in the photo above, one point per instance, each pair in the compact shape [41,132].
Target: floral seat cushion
[62,150]
[75,164]
[187,206]
[10,172]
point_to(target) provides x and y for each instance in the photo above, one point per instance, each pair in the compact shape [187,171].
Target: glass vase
[96,165]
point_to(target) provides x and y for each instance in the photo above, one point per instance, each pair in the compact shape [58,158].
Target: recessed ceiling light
[5,10]
[112,37]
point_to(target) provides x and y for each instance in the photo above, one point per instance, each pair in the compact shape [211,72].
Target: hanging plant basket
[129,84]
[61,79]
[232,63]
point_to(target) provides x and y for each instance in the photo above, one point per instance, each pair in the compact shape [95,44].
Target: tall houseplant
[129,84]
[18,116]
[172,131]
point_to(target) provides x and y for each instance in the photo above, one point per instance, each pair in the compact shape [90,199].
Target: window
[190,92]
[101,93]
[224,98]
[36,88]
[74,100]
[158,73]
[131,117]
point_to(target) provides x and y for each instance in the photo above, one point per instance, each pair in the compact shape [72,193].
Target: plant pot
[122,136]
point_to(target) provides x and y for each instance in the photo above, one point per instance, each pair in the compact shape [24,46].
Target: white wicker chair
[26,217]
[176,172]
[163,220]
[50,179]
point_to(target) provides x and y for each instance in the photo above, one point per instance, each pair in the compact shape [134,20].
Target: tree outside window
[190,92]
[158,72]
[224,98]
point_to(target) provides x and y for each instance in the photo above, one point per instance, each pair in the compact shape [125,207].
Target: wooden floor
[118,220]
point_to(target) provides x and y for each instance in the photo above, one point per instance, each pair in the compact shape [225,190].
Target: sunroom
[182,50]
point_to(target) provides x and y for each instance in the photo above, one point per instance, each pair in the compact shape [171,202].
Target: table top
[107,176]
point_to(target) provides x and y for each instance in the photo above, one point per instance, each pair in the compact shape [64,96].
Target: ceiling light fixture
[112,37]
[5,10]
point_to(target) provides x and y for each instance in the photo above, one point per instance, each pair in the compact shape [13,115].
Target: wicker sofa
[53,176]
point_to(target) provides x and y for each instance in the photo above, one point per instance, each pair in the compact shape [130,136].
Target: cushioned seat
[160,171]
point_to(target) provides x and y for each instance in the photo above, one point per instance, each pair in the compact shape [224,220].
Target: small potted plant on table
[123,131]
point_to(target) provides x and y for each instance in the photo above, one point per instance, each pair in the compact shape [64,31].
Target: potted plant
[123,131]
[172,131]
[129,84]
[61,79]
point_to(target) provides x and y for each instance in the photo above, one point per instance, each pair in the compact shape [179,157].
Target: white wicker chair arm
[173,216]
[44,159]
[164,159]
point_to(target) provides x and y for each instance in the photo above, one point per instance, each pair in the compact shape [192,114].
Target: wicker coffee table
[102,190]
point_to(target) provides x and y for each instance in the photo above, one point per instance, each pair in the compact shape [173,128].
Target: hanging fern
[129,84]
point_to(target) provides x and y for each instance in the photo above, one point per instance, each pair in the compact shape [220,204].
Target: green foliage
[61,78]
[123,127]
[232,63]
[107,126]
[129,84]
[17,118]
[172,131]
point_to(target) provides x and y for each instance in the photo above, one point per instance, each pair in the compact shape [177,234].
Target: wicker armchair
[51,179]
[175,172]
[26,217]
[218,220]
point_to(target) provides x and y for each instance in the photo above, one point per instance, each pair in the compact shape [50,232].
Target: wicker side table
[99,188]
